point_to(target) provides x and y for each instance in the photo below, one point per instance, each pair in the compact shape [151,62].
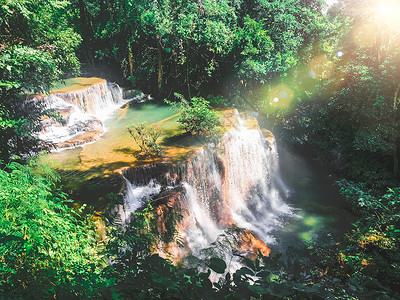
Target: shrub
[47,250]
[196,117]
[217,101]
[145,137]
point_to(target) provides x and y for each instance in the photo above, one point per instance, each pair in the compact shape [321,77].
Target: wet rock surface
[226,192]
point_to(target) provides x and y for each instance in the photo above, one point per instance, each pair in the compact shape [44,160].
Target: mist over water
[236,185]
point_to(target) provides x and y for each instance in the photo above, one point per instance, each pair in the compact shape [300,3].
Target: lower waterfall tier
[231,193]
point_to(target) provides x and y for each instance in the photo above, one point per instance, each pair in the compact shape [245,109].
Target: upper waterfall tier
[234,185]
[96,100]
[81,108]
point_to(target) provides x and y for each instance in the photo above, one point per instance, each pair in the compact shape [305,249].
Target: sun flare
[388,12]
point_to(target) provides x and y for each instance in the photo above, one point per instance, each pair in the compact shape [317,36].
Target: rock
[249,242]
[131,94]
[100,228]
[269,137]
[251,123]
[80,139]
[228,117]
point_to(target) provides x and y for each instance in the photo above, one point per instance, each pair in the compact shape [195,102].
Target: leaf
[218,265]
[9,238]
[257,289]
[249,263]
[263,274]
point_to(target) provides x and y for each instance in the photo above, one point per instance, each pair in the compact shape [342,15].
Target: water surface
[319,210]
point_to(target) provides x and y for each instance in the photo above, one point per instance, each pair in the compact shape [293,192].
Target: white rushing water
[238,185]
[81,111]
[136,196]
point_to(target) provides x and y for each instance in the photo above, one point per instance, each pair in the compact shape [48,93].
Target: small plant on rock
[146,136]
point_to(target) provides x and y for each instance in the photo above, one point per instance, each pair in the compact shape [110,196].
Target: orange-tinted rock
[100,227]
[248,242]
[251,123]
[228,117]
[77,84]
[267,134]
[86,137]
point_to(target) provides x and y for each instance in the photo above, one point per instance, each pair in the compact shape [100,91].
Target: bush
[145,137]
[47,250]
[196,117]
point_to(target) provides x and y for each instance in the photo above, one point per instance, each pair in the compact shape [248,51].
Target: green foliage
[190,46]
[47,250]
[145,137]
[25,69]
[41,25]
[217,101]
[372,250]
[196,117]
[36,48]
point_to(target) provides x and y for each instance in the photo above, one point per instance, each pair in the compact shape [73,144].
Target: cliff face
[231,193]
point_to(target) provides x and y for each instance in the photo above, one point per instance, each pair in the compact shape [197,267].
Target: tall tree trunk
[130,60]
[160,67]
[396,148]
[187,73]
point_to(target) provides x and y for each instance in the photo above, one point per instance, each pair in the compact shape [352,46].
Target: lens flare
[388,12]
[320,67]
[279,97]
[365,35]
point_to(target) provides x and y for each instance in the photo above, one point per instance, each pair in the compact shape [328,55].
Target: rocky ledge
[174,211]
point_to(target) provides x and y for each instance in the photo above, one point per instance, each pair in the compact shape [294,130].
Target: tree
[270,37]
[357,116]
[36,48]
[161,44]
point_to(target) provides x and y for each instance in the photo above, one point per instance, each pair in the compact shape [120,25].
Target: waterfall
[240,187]
[81,113]
[234,185]
[137,196]
[98,100]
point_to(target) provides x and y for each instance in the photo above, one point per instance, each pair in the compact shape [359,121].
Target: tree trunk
[85,30]
[396,148]
[187,73]
[160,67]
[130,60]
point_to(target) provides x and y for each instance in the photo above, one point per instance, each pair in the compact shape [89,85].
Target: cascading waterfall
[237,185]
[136,197]
[81,111]
[98,100]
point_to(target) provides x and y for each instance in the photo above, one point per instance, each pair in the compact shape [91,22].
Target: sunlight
[364,35]
[384,19]
[280,96]
[388,12]
[320,67]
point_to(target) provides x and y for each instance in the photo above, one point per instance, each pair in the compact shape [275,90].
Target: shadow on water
[320,212]
[128,151]
[91,187]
